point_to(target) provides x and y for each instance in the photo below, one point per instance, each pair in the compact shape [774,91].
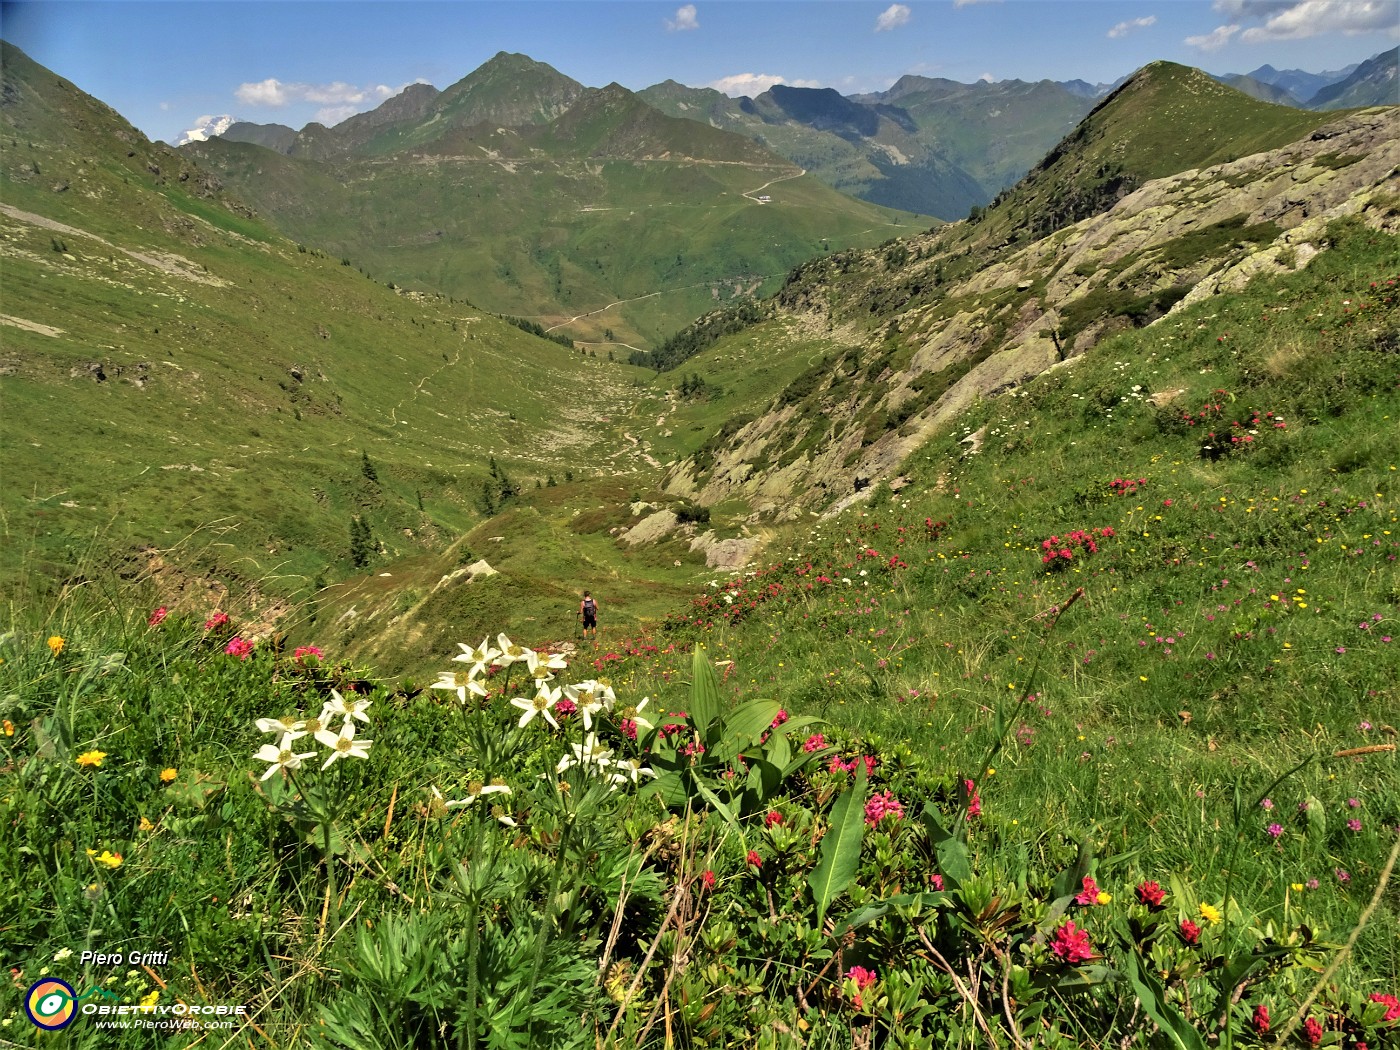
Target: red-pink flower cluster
[815,742]
[1392,1012]
[974,800]
[1261,1020]
[1089,895]
[1071,944]
[219,619]
[1060,549]
[302,652]
[837,765]
[1151,894]
[1126,486]
[239,647]
[157,616]
[881,806]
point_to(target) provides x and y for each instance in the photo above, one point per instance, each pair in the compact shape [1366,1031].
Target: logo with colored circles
[51,1004]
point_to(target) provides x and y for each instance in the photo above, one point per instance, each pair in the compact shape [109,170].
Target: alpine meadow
[988,495]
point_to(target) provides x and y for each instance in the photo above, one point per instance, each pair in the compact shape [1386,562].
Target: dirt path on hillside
[601,309]
[770,182]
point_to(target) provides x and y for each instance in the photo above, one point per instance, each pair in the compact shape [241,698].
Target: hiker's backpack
[590,607]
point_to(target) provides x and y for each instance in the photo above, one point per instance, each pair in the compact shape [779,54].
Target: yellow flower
[9,728]
[107,857]
[1210,913]
[91,758]
[148,1002]
[1104,897]
[168,774]
[146,825]
[1297,887]
[56,644]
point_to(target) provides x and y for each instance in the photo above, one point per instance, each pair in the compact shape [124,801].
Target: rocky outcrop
[1171,242]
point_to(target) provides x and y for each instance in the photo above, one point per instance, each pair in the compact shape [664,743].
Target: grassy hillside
[180,379]
[1150,785]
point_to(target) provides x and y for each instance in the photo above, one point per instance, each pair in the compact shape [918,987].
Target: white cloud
[755,83]
[269,92]
[338,97]
[892,17]
[1215,39]
[987,78]
[685,19]
[1298,19]
[1124,28]
[330,116]
[1315,17]
[969,3]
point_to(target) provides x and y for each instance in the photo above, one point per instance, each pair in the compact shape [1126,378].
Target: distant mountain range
[532,195]
[927,145]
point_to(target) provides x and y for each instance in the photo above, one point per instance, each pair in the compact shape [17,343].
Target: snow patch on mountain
[207,127]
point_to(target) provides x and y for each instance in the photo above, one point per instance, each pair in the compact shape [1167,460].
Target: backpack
[590,607]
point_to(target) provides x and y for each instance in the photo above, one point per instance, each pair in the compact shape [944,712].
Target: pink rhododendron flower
[1261,1019]
[1151,894]
[1392,1012]
[157,616]
[1089,895]
[1071,944]
[239,647]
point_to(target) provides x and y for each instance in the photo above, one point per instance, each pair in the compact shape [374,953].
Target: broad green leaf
[747,722]
[670,787]
[840,849]
[779,750]
[1180,1033]
[954,862]
[704,691]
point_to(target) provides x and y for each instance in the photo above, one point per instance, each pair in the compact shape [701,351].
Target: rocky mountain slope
[1088,244]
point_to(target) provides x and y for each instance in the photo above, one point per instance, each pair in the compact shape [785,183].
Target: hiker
[588,610]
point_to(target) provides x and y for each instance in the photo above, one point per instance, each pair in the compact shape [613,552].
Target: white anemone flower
[482,655]
[281,755]
[460,683]
[343,744]
[590,698]
[476,789]
[542,665]
[348,709]
[284,725]
[629,769]
[545,698]
[589,753]
[510,652]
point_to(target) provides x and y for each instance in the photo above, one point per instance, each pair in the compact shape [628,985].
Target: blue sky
[165,65]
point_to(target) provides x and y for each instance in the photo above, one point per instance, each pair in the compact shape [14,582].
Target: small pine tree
[367,468]
[550,482]
[361,542]
[568,475]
